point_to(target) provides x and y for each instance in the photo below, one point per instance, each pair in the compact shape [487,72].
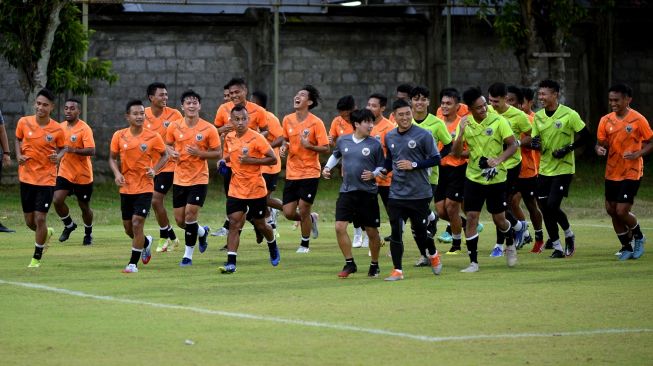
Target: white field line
[315,324]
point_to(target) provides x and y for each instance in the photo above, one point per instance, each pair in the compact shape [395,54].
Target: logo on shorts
[412,144]
[629,128]
[558,124]
[49,138]
[365,151]
[73,138]
[488,132]
[143,147]
[166,124]
[199,137]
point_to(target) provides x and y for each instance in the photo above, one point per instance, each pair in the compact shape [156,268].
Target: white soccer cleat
[366,241]
[473,267]
[511,255]
[357,242]
[303,250]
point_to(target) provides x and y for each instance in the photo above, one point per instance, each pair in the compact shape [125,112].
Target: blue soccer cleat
[277,258]
[186,262]
[203,243]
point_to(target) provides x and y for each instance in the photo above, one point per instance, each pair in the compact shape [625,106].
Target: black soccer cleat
[88,239]
[557,254]
[65,234]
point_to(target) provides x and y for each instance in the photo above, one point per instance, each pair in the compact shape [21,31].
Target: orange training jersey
[137,155]
[340,127]
[623,136]
[38,143]
[451,159]
[73,167]
[191,170]
[530,159]
[257,115]
[246,179]
[379,131]
[160,125]
[463,110]
[274,131]
[302,163]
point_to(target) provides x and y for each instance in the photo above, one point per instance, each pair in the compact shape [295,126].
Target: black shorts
[415,210]
[163,182]
[135,205]
[271,181]
[83,192]
[304,189]
[35,198]
[477,194]
[512,179]
[188,195]
[359,206]
[384,193]
[556,186]
[451,184]
[527,187]
[255,208]
[621,191]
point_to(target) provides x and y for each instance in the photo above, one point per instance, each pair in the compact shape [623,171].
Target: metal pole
[448,44]
[276,58]
[85,24]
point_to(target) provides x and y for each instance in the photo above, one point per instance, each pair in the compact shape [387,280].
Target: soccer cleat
[496,252]
[186,262]
[538,247]
[473,267]
[638,249]
[220,232]
[387,239]
[618,253]
[171,245]
[548,244]
[314,219]
[228,268]
[511,255]
[528,238]
[203,243]
[454,250]
[366,241]
[570,247]
[348,269]
[519,235]
[395,276]
[146,254]
[557,254]
[431,228]
[294,225]
[65,234]
[88,239]
[374,271]
[34,263]
[479,228]
[274,213]
[357,242]
[131,268]
[625,255]
[423,262]
[303,250]
[277,258]
[163,245]
[4,229]
[224,248]
[445,237]
[48,237]
[436,264]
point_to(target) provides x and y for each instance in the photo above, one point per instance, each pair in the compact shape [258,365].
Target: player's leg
[236,209]
[395,215]
[62,189]
[474,194]
[84,193]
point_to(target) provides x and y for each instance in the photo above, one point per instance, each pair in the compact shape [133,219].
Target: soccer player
[411,155]
[305,139]
[402,92]
[362,161]
[247,151]
[519,124]
[142,153]
[5,161]
[557,131]
[420,101]
[39,139]
[624,136]
[158,117]
[485,178]
[75,175]
[194,140]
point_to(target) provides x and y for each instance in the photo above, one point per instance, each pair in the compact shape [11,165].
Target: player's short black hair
[383,100]
[74,100]
[451,93]
[313,95]
[151,89]
[346,103]
[46,93]
[471,95]
[190,94]
[261,97]
[551,84]
[498,90]
[132,103]
[360,115]
[404,88]
[419,90]
[528,93]
[236,81]
[517,91]
[238,108]
[624,89]
[399,103]
[225,87]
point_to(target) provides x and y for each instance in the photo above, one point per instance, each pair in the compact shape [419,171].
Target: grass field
[79,309]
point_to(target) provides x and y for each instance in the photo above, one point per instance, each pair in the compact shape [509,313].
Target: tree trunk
[529,66]
[435,55]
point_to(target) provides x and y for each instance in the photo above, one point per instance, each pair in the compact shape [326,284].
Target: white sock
[358,231]
[557,245]
[188,253]
[200,230]
[498,245]
[569,233]
[518,226]
[432,216]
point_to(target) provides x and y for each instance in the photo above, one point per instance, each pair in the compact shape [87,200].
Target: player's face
[43,107]
[345,115]
[448,106]
[364,128]
[511,99]
[498,103]
[374,106]
[136,115]
[618,102]
[420,104]
[404,118]
[240,121]
[238,94]
[71,111]
[302,100]
[527,106]
[160,98]
[402,95]
[547,97]
[225,96]
[479,109]
[191,107]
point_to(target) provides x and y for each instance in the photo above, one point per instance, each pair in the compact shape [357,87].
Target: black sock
[38,252]
[539,235]
[637,232]
[226,224]
[171,233]
[508,235]
[624,239]
[136,255]
[397,251]
[472,247]
[163,233]
[231,258]
[349,261]
[448,229]
[67,220]
[272,247]
[305,242]
[456,243]
[191,234]
[374,264]
[146,243]
[500,236]
[88,230]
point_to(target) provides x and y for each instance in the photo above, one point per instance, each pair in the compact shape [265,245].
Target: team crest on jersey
[412,144]
[199,137]
[166,124]
[306,131]
[245,150]
[378,137]
[73,138]
[629,128]
[49,138]
[365,151]
[558,124]
[488,132]
[143,147]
